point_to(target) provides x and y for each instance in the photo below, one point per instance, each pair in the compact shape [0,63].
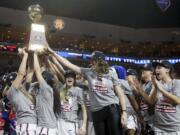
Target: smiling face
[161,72]
[70,81]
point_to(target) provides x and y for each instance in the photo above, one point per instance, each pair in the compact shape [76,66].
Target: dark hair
[166,64]
[172,74]
[131,71]
[57,104]
[50,81]
[48,77]
[97,55]
[72,74]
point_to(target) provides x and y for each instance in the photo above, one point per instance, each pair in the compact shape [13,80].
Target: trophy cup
[37,42]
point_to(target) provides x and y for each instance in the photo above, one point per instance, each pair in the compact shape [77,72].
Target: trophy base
[36,48]
[37,41]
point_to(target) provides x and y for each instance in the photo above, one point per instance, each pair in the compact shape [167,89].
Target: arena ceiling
[130,13]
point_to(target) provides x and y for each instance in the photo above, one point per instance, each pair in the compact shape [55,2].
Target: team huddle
[99,100]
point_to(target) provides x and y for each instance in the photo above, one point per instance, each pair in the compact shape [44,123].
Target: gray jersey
[167,115]
[127,91]
[101,90]
[69,109]
[126,87]
[45,103]
[24,108]
[86,101]
[146,110]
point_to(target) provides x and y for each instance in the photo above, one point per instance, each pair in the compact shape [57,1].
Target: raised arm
[59,75]
[29,76]
[22,71]
[174,99]
[51,68]
[65,62]
[59,66]
[149,99]
[37,69]
[30,72]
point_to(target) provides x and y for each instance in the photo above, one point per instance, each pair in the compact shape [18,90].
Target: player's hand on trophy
[49,50]
[44,52]
[39,51]
[20,51]
[24,50]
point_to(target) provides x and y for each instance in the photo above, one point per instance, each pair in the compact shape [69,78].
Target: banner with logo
[163,4]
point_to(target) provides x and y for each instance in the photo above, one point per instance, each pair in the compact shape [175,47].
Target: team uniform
[147,110]
[131,115]
[104,104]
[45,114]
[90,126]
[167,115]
[68,119]
[25,112]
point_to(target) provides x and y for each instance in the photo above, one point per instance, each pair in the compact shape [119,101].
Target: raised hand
[24,52]
[49,50]
[20,52]
[135,84]
[156,83]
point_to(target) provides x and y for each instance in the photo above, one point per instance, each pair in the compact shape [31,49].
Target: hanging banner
[163,4]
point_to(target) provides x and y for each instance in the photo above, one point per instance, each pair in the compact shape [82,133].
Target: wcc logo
[163,4]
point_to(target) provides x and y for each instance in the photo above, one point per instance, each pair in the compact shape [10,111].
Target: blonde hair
[63,94]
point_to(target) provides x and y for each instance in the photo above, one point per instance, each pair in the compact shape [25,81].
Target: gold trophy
[37,42]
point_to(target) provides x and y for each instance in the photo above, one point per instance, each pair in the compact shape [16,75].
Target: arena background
[124,30]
